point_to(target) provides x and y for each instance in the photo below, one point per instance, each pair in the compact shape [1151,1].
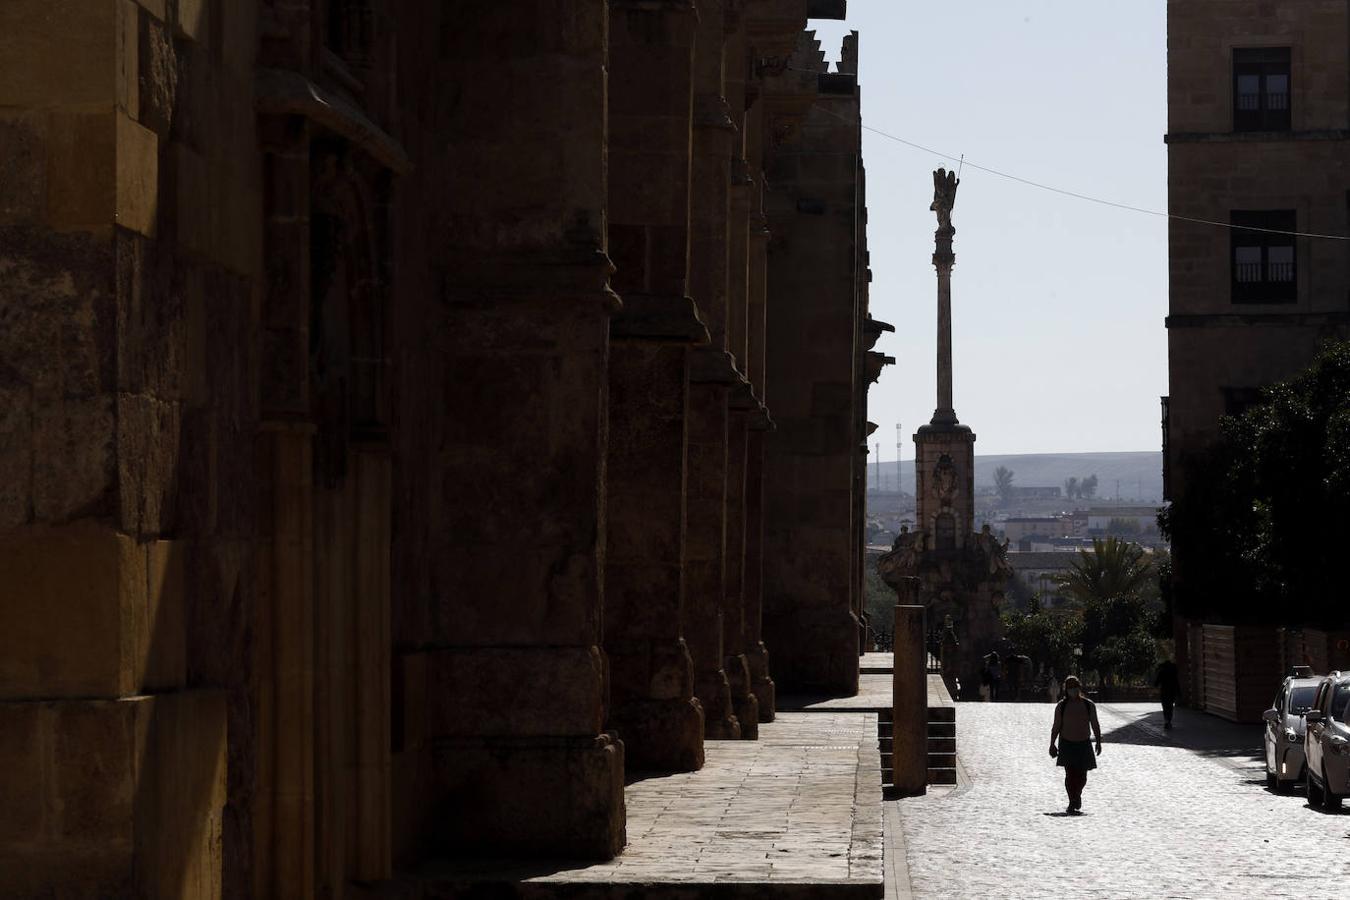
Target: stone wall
[385,456]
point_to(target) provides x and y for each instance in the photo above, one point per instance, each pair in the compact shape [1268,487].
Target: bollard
[909,721]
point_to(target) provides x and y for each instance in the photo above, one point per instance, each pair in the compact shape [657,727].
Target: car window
[1301,700]
[1339,701]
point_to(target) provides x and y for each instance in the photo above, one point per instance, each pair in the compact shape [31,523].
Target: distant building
[1122,519]
[1020,528]
[1038,570]
[1034,493]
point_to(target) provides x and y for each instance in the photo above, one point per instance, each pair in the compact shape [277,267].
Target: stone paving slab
[874,694]
[1181,813]
[795,814]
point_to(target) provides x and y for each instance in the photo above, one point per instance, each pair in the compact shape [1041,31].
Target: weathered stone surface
[122,797]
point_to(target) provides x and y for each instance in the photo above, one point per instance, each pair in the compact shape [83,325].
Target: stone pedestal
[945,477]
[909,727]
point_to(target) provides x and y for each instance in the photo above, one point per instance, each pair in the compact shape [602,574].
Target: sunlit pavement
[1183,813]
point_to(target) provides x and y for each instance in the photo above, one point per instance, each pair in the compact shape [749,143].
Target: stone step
[942,713]
[942,729]
[886,743]
[941,745]
[883,729]
[942,776]
[942,761]
[885,715]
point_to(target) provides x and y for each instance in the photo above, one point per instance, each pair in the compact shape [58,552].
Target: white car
[1328,742]
[1285,730]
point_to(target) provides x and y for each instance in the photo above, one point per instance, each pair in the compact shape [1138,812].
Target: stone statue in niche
[944,196]
[342,323]
[944,477]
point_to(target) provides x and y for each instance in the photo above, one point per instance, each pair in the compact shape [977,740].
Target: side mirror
[1271,715]
[1313,715]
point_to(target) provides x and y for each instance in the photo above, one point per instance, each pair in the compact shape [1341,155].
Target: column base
[549,797]
[660,735]
[743,701]
[719,715]
[757,657]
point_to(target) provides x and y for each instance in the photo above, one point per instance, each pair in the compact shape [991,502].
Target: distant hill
[1139,473]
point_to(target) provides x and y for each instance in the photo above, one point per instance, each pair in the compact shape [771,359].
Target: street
[1167,814]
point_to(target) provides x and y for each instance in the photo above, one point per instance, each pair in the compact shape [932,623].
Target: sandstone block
[514,691]
[81,171]
[23,146]
[113,798]
[89,613]
[36,73]
[127,57]
[558,797]
[137,204]
[157,68]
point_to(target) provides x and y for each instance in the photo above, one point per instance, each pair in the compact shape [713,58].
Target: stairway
[941,727]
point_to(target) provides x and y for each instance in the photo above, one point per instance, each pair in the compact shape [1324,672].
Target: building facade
[1258,135]
[1258,139]
[389,397]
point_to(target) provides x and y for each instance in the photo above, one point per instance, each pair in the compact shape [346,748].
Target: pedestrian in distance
[1075,723]
[1169,686]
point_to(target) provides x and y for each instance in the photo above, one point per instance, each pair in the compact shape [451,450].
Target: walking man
[1075,722]
[1168,685]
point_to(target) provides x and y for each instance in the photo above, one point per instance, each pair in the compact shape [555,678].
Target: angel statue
[944,196]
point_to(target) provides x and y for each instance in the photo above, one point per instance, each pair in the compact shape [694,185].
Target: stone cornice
[1293,319]
[1255,137]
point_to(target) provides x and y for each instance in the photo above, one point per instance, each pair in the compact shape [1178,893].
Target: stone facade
[385,468]
[817,373]
[1224,341]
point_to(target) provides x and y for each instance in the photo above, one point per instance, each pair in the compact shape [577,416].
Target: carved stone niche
[348,290]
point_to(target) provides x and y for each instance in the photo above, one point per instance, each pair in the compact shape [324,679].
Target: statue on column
[944,196]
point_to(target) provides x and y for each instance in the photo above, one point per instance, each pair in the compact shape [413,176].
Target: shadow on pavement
[1195,732]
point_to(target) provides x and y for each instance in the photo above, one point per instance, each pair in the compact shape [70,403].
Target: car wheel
[1314,792]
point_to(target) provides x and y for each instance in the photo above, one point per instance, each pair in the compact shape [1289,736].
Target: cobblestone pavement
[1167,814]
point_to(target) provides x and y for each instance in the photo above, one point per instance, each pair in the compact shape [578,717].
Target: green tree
[1117,636]
[1071,487]
[1003,483]
[1113,569]
[1046,636]
[1088,486]
[1256,532]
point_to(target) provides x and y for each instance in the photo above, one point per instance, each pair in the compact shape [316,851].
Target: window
[1261,89]
[1264,263]
[1302,700]
[1340,701]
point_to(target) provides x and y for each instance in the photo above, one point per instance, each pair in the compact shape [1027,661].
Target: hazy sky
[1058,304]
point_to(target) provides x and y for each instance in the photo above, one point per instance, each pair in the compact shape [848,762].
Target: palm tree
[1113,569]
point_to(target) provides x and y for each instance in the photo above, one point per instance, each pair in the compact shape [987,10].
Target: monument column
[958,573]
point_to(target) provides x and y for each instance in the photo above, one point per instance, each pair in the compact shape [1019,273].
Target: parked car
[1285,729]
[1328,742]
